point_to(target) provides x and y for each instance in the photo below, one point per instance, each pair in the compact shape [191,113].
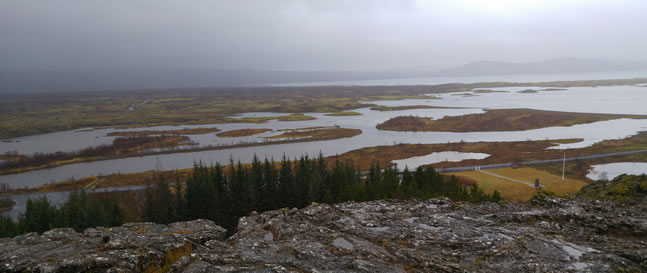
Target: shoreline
[354,132]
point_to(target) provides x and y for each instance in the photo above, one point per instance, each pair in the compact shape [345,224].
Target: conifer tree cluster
[80,211]
[226,193]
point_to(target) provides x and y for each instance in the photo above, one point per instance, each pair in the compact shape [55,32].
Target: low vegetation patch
[568,140]
[411,107]
[185,131]
[624,188]
[11,156]
[345,113]
[295,117]
[498,120]
[532,91]
[486,91]
[502,152]
[6,204]
[499,152]
[553,89]
[319,134]
[465,94]
[242,132]
[292,117]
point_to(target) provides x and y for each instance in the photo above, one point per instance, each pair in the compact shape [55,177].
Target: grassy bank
[345,113]
[185,131]
[6,204]
[318,134]
[410,107]
[242,132]
[500,152]
[498,120]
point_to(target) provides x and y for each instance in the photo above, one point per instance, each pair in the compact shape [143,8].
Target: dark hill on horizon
[552,66]
[85,80]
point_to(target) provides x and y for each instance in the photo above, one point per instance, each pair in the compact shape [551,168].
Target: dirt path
[508,178]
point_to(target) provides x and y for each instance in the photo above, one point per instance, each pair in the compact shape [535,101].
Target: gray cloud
[291,34]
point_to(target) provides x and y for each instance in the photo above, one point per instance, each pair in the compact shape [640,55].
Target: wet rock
[549,235]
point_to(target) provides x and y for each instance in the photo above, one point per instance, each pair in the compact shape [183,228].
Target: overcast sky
[330,34]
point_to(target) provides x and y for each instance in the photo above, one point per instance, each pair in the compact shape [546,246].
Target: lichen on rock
[550,234]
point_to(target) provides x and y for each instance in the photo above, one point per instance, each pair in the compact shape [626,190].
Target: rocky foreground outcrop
[550,235]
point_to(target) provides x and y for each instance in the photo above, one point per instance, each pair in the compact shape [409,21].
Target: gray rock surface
[549,235]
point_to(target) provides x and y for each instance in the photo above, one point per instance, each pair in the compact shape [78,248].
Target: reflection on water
[414,162]
[611,170]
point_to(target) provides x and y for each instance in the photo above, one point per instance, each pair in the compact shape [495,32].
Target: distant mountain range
[44,81]
[82,80]
[562,65]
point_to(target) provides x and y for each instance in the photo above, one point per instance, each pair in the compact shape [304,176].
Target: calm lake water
[613,99]
[487,78]
[611,170]
[416,161]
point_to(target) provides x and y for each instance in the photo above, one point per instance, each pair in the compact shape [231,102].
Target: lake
[611,170]
[611,99]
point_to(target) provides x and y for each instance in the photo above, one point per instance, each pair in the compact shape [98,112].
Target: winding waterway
[613,99]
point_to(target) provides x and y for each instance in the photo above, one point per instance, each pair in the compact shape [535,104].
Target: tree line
[80,211]
[226,193]
[223,194]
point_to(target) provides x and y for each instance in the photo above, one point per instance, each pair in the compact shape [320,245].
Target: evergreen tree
[390,183]
[302,187]
[286,184]
[8,228]
[113,213]
[257,184]
[409,187]
[211,193]
[39,216]
[179,206]
[220,195]
[72,210]
[496,197]
[149,206]
[242,202]
[424,186]
[270,197]
[162,202]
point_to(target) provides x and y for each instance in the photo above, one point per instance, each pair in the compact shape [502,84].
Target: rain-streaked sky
[316,34]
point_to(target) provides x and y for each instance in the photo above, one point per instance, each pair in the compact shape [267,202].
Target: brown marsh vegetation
[242,132]
[121,146]
[497,120]
[500,152]
[185,131]
[319,134]
[29,114]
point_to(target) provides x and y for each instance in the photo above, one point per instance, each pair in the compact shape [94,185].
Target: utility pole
[564,166]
